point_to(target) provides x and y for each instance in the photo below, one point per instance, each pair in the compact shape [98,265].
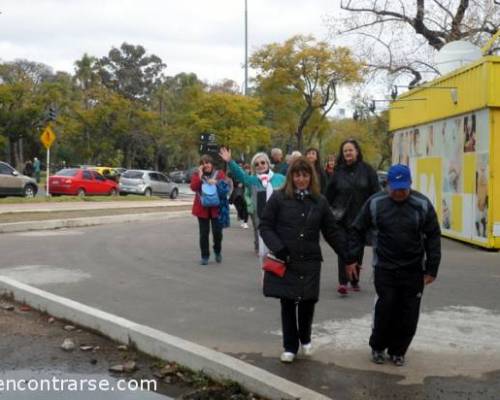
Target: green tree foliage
[175,100]
[299,79]
[370,132]
[120,110]
[22,97]
[130,72]
[235,119]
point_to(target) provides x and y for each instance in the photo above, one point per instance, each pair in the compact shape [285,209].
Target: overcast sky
[201,36]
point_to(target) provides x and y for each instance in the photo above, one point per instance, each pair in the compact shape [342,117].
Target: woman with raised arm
[261,183]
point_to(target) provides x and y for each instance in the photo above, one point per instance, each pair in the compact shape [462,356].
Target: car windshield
[67,172]
[132,174]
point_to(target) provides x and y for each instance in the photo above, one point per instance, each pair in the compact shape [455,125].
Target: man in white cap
[406,257]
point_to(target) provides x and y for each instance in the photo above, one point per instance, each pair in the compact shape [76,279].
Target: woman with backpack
[206,207]
[261,183]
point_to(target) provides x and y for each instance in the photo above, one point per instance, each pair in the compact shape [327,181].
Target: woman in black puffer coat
[312,154]
[290,227]
[352,183]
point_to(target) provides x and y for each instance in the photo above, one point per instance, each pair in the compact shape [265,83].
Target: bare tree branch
[398,33]
[457,20]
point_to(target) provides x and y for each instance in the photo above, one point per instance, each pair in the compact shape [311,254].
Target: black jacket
[350,187]
[292,226]
[406,235]
[322,178]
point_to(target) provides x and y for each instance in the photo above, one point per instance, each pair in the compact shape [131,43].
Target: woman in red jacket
[207,215]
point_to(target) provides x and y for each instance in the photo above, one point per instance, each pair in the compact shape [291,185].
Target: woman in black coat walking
[312,154]
[290,227]
[352,183]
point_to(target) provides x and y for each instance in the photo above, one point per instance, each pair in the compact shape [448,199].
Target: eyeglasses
[257,163]
[206,163]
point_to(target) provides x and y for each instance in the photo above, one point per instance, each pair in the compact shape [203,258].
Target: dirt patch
[31,341]
[43,216]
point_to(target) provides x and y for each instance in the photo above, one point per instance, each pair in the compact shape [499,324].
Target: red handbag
[274,265]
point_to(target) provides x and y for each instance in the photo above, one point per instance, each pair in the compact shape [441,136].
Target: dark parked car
[190,172]
[13,183]
[183,176]
[178,176]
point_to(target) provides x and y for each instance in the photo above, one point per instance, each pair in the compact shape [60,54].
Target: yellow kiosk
[448,132]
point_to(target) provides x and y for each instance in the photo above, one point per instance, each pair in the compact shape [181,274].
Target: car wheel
[113,192]
[80,192]
[148,192]
[174,194]
[29,191]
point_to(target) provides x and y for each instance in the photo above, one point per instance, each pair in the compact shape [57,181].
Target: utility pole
[246,48]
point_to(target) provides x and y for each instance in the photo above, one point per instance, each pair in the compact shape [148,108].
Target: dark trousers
[255,227]
[241,208]
[343,280]
[296,322]
[396,310]
[204,224]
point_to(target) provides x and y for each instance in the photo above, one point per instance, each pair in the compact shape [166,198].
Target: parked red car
[81,182]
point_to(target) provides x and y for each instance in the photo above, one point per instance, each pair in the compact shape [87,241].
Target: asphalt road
[149,273]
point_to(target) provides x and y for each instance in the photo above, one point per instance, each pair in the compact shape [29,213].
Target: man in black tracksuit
[406,256]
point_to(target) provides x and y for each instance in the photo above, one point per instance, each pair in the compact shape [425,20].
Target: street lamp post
[246,48]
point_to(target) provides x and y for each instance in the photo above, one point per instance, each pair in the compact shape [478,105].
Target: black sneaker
[398,361]
[378,357]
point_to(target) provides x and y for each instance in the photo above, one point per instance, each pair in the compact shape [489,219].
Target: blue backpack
[209,195]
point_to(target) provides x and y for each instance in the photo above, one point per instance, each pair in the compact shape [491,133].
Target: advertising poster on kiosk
[449,160]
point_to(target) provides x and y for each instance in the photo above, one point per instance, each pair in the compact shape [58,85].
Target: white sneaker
[287,357]
[244,225]
[307,349]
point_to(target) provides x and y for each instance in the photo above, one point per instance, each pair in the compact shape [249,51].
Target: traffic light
[208,143]
[52,114]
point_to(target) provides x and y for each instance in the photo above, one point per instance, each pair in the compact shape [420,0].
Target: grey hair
[276,151]
[257,156]
[295,154]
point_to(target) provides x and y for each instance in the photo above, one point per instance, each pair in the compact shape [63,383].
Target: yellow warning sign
[47,137]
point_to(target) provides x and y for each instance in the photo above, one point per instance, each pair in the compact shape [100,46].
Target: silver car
[147,183]
[13,183]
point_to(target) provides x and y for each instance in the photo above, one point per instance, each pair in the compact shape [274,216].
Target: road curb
[160,344]
[24,226]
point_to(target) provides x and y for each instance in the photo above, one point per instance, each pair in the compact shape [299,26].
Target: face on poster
[470,133]
[481,195]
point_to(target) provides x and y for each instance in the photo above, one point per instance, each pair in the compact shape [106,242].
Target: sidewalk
[87,205]
[42,216]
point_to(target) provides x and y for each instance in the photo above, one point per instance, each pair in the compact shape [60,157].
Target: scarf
[265,180]
[302,194]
